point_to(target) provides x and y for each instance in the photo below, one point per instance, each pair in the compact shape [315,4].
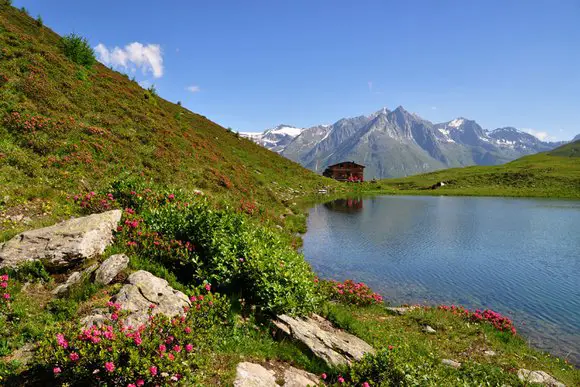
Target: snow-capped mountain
[275,139]
[399,143]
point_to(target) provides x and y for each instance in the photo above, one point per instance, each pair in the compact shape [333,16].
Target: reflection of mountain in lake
[345,205]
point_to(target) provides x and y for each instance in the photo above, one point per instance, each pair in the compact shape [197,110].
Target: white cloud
[193,88]
[148,58]
[544,136]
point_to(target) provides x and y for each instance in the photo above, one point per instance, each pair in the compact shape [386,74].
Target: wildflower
[138,340]
[114,316]
[366,384]
[208,287]
[391,347]
[187,330]
[4,277]
[162,348]
[6,296]
[177,348]
[61,340]
[152,306]
[340,379]
[110,366]
[74,356]
[170,356]
[193,298]
[140,382]
[131,385]
[153,370]
[56,370]
[171,196]
[323,376]
[4,284]
[189,347]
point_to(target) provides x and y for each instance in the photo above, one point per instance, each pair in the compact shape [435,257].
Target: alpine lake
[520,257]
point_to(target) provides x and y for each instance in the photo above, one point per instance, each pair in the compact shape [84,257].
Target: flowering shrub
[197,242]
[500,322]
[5,296]
[161,352]
[91,203]
[349,292]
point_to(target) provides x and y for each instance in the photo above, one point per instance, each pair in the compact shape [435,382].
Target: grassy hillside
[65,128]
[552,174]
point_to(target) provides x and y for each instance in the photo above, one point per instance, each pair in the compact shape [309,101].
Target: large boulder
[336,347]
[64,244]
[144,289]
[256,375]
[110,268]
[539,377]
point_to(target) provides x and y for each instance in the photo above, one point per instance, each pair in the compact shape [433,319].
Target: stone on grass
[64,244]
[451,363]
[429,329]
[330,344]
[539,377]
[254,375]
[144,289]
[110,268]
[489,352]
[294,377]
[401,310]
[75,278]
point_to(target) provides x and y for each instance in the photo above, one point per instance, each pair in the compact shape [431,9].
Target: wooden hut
[345,171]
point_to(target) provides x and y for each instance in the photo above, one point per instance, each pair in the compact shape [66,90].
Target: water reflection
[350,205]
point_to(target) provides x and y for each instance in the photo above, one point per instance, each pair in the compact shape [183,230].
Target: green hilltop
[554,174]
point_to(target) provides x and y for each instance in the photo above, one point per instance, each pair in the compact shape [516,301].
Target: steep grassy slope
[551,174]
[66,129]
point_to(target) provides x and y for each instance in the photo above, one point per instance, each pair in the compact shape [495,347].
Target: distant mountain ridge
[399,143]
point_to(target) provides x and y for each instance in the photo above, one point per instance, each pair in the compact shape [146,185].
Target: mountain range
[399,143]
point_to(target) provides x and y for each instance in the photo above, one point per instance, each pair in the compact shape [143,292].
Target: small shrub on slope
[77,49]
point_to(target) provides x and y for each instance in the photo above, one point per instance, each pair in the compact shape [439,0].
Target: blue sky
[250,65]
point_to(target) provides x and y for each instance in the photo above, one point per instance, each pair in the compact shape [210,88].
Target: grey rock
[62,289]
[429,329]
[401,310]
[332,345]
[23,354]
[64,244]
[539,377]
[294,377]
[254,375]
[451,363]
[110,268]
[73,279]
[142,290]
[98,317]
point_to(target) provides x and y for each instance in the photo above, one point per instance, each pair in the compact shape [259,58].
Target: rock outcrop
[110,268]
[539,377]
[64,244]
[332,345]
[144,289]
[256,375]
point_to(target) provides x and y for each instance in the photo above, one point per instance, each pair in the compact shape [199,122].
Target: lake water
[520,257]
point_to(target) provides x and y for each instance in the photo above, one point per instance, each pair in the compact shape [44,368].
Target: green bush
[225,247]
[77,49]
